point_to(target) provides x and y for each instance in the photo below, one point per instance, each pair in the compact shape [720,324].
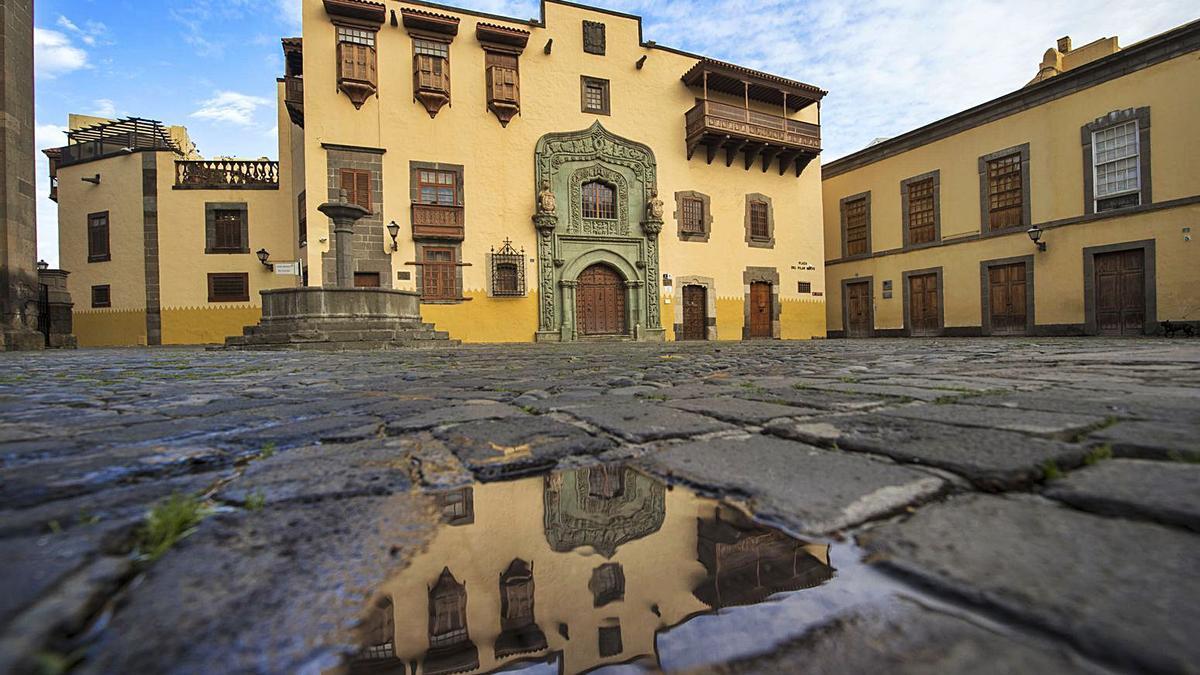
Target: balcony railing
[722,118]
[226,175]
[437,222]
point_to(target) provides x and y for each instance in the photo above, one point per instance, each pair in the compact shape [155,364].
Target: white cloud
[47,136]
[231,107]
[90,34]
[54,55]
[291,11]
[105,108]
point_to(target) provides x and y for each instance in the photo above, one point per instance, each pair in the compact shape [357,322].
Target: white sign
[287,269]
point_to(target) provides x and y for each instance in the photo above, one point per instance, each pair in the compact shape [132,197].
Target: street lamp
[42,265]
[394,230]
[1035,235]
[263,256]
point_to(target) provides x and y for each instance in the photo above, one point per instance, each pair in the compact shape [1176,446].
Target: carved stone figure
[547,203]
[654,208]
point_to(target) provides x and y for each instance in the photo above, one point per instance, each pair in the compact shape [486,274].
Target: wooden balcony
[293,99]
[227,175]
[720,126]
[432,221]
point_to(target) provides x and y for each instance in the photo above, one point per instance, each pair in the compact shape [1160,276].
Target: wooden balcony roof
[740,81]
[365,11]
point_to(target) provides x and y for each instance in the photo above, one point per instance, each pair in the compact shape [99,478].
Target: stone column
[344,215]
[570,331]
[18,190]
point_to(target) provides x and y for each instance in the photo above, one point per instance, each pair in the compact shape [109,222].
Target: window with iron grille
[101,296]
[857,215]
[760,227]
[693,216]
[439,274]
[508,271]
[921,212]
[437,187]
[595,96]
[431,65]
[1006,197]
[1116,164]
[357,184]
[599,201]
[229,287]
[97,237]
[804,287]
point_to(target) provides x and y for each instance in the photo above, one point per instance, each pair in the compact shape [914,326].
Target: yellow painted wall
[108,327]
[1171,90]
[648,106]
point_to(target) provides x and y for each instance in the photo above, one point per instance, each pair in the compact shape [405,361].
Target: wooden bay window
[502,47]
[357,64]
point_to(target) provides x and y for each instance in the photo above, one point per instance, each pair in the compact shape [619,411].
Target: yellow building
[161,244]
[555,179]
[1097,159]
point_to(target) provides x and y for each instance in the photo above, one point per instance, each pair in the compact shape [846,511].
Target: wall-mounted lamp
[263,257]
[1035,235]
[42,265]
[394,230]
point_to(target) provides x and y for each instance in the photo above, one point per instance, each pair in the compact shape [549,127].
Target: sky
[889,65]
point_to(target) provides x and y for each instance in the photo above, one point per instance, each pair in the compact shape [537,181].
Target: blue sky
[890,65]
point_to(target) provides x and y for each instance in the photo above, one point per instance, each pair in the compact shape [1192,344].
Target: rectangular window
[1115,161]
[97,234]
[1006,198]
[804,287]
[921,212]
[596,96]
[227,232]
[599,201]
[356,36]
[356,56]
[503,78]
[229,287]
[357,184]
[856,226]
[302,209]
[693,215]
[439,274]
[431,63]
[760,227]
[437,187]
[101,296]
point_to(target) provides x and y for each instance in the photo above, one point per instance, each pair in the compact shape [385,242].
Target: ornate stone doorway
[598,219]
[600,302]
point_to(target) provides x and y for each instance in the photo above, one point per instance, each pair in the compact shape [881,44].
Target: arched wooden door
[600,301]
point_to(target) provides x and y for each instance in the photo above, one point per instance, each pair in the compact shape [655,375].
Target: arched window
[599,201]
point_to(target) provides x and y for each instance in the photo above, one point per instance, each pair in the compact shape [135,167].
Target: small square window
[804,287]
[229,287]
[595,93]
[101,296]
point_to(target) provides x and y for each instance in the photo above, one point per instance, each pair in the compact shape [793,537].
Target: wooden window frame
[454,291]
[496,62]
[437,187]
[360,187]
[1144,194]
[934,178]
[684,232]
[760,221]
[431,70]
[213,277]
[213,212]
[845,206]
[360,79]
[1021,152]
[606,95]
[600,211]
[96,252]
[107,301]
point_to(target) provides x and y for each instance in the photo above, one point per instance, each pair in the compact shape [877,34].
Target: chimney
[1064,44]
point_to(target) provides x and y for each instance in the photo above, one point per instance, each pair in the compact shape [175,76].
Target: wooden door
[1007,298]
[366,279]
[600,302]
[695,313]
[858,310]
[923,305]
[760,309]
[1121,293]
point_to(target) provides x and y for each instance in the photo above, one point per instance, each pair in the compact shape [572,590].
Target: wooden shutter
[357,184]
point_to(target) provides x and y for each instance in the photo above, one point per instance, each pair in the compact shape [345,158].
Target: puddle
[602,569]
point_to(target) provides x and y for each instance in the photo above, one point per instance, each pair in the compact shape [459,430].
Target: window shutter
[362,188]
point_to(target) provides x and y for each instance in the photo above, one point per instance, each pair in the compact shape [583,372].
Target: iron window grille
[101,296]
[508,271]
[693,216]
[599,201]
[759,221]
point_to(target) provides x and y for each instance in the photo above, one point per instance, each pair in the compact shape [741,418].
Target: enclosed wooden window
[921,212]
[599,201]
[607,584]
[431,63]
[760,221]
[229,287]
[227,231]
[596,96]
[357,184]
[857,226]
[439,274]
[447,612]
[503,78]
[97,237]
[693,215]
[357,63]
[1005,194]
[437,187]
[101,296]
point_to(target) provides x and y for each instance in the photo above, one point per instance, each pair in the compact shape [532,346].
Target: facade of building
[555,179]
[1097,158]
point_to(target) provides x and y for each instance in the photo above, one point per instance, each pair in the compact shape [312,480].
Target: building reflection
[618,560]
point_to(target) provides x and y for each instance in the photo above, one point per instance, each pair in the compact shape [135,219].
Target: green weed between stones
[268,451]
[56,663]
[169,521]
[1098,454]
[256,501]
[1050,470]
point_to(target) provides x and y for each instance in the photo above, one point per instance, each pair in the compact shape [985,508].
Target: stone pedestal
[18,190]
[57,321]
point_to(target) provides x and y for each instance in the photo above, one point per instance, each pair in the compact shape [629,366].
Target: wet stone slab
[1070,573]
[1026,421]
[991,459]
[1165,492]
[645,421]
[515,446]
[317,473]
[1152,440]
[739,411]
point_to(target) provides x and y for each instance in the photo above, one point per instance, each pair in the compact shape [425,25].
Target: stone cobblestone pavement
[1046,491]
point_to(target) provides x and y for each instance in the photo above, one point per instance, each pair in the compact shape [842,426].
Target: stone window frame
[1149,281]
[708,217]
[985,229]
[606,103]
[210,227]
[107,301]
[1142,117]
[419,280]
[941,289]
[94,257]
[985,300]
[842,217]
[710,304]
[936,176]
[762,274]
[373,251]
[759,198]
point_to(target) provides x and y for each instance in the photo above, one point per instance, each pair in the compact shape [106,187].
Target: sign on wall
[291,269]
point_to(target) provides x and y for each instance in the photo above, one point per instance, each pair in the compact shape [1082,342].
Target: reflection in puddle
[594,568]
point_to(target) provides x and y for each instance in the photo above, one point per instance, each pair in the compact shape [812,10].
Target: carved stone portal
[569,243]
